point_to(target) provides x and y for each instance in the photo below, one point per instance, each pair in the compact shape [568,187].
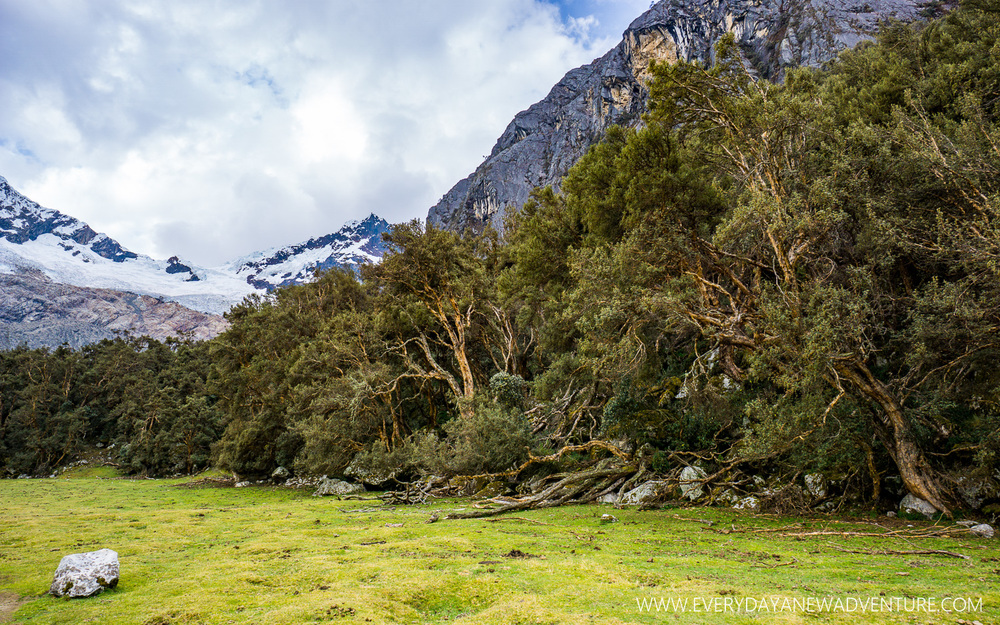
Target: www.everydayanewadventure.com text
[764,604]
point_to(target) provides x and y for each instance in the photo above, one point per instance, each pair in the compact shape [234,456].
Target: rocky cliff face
[38,312]
[541,144]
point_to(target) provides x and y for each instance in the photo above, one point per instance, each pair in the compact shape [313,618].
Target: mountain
[37,312]
[68,251]
[64,282]
[540,145]
[355,243]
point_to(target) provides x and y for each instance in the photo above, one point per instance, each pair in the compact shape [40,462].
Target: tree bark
[918,476]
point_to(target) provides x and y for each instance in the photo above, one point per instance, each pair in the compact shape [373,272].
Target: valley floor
[269,555]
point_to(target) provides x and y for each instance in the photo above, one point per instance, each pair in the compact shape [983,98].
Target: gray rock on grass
[85,574]
[916,505]
[650,492]
[982,530]
[331,487]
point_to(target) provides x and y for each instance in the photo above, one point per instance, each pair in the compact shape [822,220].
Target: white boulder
[982,530]
[611,498]
[330,487]
[85,574]
[691,482]
[916,505]
[650,492]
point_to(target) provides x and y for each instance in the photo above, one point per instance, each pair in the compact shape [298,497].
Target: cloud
[210,130]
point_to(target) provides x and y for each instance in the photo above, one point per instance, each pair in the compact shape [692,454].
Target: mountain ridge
[355,242]
[541,143]
[63,282]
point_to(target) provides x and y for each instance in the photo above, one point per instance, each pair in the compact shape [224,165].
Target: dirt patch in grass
[517,553]
[9,603]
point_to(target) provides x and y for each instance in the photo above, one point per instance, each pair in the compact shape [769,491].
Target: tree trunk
[918,476]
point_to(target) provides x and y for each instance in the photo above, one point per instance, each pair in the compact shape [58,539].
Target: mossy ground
[267,555]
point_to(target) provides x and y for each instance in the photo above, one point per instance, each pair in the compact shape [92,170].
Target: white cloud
[210,130]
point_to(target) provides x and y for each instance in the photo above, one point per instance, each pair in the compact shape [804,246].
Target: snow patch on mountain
[67,262]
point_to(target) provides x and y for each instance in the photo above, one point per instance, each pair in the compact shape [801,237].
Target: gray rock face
[690,482]
[330,487]
[85,574]
[916,505]
[648,493]
[540,145]
[38,312]
[982,531]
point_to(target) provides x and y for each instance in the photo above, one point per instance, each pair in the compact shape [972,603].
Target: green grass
[263,555]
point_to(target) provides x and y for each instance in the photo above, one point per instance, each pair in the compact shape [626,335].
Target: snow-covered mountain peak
[68,251]
[22,220]
[357,242]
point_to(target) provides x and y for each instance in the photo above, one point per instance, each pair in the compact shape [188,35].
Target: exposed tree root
[409,495]
[572,488]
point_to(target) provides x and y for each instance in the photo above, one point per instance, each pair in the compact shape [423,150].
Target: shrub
[492,439]
[508,390]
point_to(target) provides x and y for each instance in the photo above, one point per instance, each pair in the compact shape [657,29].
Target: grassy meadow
[270,555]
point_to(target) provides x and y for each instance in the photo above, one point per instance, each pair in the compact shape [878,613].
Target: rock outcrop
[691,482]
[335,488]
[912,504]
[86,574]
[543,142]
[36,312]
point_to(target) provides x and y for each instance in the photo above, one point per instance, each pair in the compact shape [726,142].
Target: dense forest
[762,280]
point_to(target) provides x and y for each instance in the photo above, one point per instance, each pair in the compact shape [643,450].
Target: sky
[210,129]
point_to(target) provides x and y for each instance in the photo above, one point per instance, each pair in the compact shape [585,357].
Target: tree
[433,295]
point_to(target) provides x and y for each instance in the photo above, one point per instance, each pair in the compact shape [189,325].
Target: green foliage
[493,439]
[267,365]
[508,390]
[167,421]
[144,397]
